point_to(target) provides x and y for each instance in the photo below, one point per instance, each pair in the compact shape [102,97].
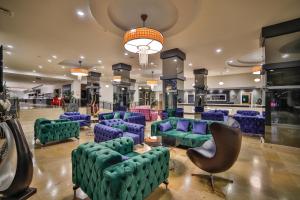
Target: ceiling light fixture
[285,55]
[143,41]
[33,71]
[117,78]
[221,83]
[10,46]
[107,86]
[126,54]
[33,81]
[49,61]
[230,61]
[256,70]
[63,67]
[5,67]
[99,61]
[54,56]
[256,80]
[40,66]
[82,57]
[8,52]
[79,71]
[80,13]
[152,63]
[152,82]
[190,64]
[219,50]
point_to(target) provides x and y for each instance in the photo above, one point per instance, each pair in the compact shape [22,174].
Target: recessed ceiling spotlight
[65,75]
[140,69]
[257,80]
[33,81]
[190,64]
[99,61]
[33,71]
[175,60]
[80,13]
[107,86]
[126,54]
[271,70]
[123,88]
[102,74]
[193,84]
[221,83]
[5,67]
[63,67]
[140,88]
[82,57]
[219,50]
[8,52]
[54,56]
[40,66]
[94,69]
[230,61]
[152,63]
[285,55]
[49,61]
[10,46]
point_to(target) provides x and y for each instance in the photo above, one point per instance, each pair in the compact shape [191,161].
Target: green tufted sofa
[55,130]
[103,173]
[183,138]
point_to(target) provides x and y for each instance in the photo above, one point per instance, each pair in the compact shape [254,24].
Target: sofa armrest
[123,145]
[85,117]
[89,161]
[103,133]
[140,175]
[136,129]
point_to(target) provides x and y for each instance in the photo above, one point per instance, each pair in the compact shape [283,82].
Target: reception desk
[232,108]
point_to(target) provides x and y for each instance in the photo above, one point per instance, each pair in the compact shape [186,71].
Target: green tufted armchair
[112,171]
[55,130]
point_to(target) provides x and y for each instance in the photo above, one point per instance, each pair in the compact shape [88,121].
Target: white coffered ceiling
[40,30]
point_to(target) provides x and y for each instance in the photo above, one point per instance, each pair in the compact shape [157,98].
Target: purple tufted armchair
[106,130]
[84,120]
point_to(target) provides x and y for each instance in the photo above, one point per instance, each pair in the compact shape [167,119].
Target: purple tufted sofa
[136,118]
[251,122]
[248,112]
[105,131]
[214,116]
[84,120]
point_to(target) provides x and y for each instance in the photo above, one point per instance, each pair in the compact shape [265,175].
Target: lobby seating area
[150,100]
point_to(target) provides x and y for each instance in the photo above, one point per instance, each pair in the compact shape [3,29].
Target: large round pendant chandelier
[79,72]
[143,41]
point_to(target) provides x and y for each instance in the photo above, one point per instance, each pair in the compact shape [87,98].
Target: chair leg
[166,182]
[75,187]
[212,179]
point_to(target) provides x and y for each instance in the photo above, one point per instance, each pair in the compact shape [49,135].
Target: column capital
[173,53]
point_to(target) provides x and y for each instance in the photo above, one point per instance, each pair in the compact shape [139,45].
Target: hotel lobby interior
[149,99]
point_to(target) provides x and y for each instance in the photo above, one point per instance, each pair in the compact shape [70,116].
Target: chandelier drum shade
[143,41]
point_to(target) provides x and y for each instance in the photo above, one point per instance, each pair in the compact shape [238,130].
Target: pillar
[93,92]
[200,86]
[121,86]
[172,77]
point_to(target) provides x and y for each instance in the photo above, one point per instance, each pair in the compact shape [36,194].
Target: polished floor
[262,171]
